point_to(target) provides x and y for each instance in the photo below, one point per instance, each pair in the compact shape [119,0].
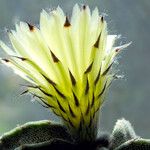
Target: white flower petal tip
[68,61]
[118,48]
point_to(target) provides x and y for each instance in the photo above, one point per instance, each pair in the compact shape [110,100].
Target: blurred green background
[129,98]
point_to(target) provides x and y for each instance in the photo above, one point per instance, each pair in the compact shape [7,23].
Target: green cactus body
[32,133]
[122,132]
[135,144]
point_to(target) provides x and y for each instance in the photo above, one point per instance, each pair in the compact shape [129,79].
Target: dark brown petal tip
[87,109]
[24,92]
[67,22]
[103,90]
[87,87]
[84,7]
[107,70]
[117,50]
[21,58]
[55,59]
[93,100]
[102,19]
[73,81]
[97,77]
[96,45]
[31,27]
[76,99]
[71,112]
[61,107]
[89,68]
[49,80]
[59,93]
[6,60]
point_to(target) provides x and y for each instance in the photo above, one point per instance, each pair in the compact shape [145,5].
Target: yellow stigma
[68,62]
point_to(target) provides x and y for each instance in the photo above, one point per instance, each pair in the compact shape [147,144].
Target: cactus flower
[68,62]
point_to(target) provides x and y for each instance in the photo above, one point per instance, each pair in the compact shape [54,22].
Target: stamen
[47,94]
[48,105]
[90,123]
[71,123]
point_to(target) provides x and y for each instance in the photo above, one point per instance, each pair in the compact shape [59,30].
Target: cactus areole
[68,62]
